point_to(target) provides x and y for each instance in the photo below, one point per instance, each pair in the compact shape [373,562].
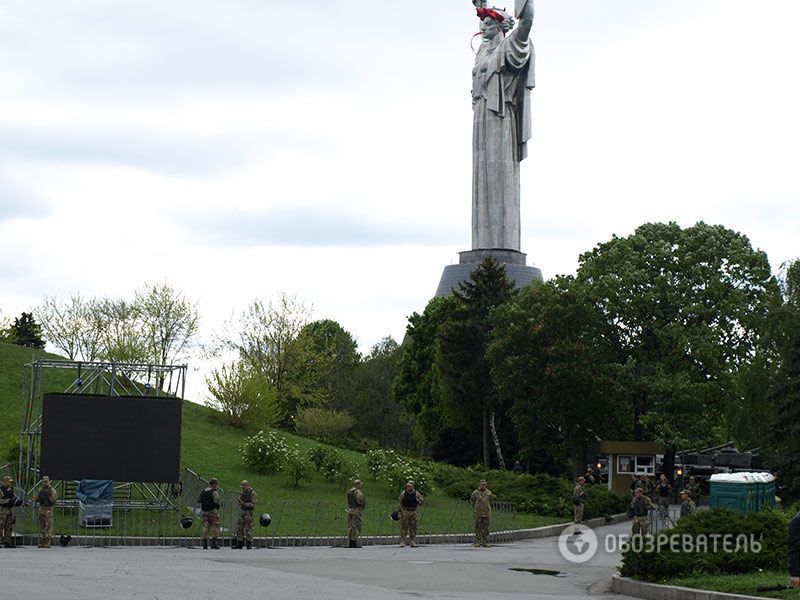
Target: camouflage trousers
[45,527]
[481,530]
[354,520]
[408,526]
[578,509]
[244,526]
[663,507]
[7,520]
[210,524]
[640,526]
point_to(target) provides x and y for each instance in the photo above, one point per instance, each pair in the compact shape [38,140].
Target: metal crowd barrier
[142,520]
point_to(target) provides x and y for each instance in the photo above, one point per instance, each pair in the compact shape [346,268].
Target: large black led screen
[117,438]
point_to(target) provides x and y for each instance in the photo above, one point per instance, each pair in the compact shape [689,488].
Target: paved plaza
[305,573]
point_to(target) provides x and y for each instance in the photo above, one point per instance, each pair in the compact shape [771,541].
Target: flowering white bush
[264,452]
[389,467]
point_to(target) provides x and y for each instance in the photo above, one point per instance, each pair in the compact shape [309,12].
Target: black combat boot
[249,544]
[205,544]
[214,545]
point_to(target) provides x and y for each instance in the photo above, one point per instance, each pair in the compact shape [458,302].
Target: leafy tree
[327,357]
[687,306]
[120,328]
[470,398]
[6,330]
[378,414]
[27,332]
[418,385]
[63,323]
[243,396]
[553,363]
[170,322]
[265,340]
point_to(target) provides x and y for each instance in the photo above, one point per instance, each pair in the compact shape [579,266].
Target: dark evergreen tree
[786,432]
[27,332]
[470,399]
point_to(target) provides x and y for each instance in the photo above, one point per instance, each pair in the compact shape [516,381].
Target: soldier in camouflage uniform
[694,490]
[244,524]
[209,501]
[7,519]
[355,511]
[578,499]
[649,487]
[481,501]
[688,507]
[409,501]
[640,508]
[46,499]
[663,492]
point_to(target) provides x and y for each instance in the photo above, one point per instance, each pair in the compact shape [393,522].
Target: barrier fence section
[662,518]
[139,518]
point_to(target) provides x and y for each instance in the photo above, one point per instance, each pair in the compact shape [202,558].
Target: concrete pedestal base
[514,261]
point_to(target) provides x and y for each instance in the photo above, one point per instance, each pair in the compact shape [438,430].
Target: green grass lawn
[211,449]
[746,584]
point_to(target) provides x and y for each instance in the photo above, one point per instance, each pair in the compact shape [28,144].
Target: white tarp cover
[742,478]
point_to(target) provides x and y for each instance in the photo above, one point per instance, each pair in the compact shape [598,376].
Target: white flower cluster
[265,452]
[389,467]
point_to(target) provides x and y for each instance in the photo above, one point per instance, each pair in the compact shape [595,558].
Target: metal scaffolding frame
[112,379]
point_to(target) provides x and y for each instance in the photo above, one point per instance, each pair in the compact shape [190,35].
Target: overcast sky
[322,148]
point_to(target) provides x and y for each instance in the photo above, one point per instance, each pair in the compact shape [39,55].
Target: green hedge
[539,494]
[768,527]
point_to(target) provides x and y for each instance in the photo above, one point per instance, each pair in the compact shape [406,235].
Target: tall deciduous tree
[378,415]
[170,321]
[554,363]
[469,394]
[264,340]
[327,357]
[418,385]
[74,326]
[687,306]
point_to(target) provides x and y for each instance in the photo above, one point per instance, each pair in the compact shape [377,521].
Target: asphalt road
[437,572]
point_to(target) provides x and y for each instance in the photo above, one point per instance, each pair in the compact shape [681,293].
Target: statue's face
[490,28]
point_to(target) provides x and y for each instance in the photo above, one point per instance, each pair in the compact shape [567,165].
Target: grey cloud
[168,153]
[141,49]
[310,227]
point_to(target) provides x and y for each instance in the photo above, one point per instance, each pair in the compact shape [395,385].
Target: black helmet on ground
[65,539]
[265,520]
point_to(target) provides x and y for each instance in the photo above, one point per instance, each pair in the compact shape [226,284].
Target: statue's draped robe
[501,82]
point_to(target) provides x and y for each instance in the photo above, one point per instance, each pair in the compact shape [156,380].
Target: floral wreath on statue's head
[505,20]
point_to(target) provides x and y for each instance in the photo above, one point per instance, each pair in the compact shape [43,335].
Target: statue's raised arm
[524,12]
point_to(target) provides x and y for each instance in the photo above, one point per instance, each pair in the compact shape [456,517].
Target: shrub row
[767,527]
[539,494]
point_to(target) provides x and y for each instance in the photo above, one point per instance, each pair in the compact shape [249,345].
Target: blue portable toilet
[742,492]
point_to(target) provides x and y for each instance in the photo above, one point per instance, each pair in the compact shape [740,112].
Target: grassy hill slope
[211,448]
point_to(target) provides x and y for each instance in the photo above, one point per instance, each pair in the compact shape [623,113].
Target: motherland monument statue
[502,80]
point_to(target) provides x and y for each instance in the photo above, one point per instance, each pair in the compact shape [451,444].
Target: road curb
[655,591]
